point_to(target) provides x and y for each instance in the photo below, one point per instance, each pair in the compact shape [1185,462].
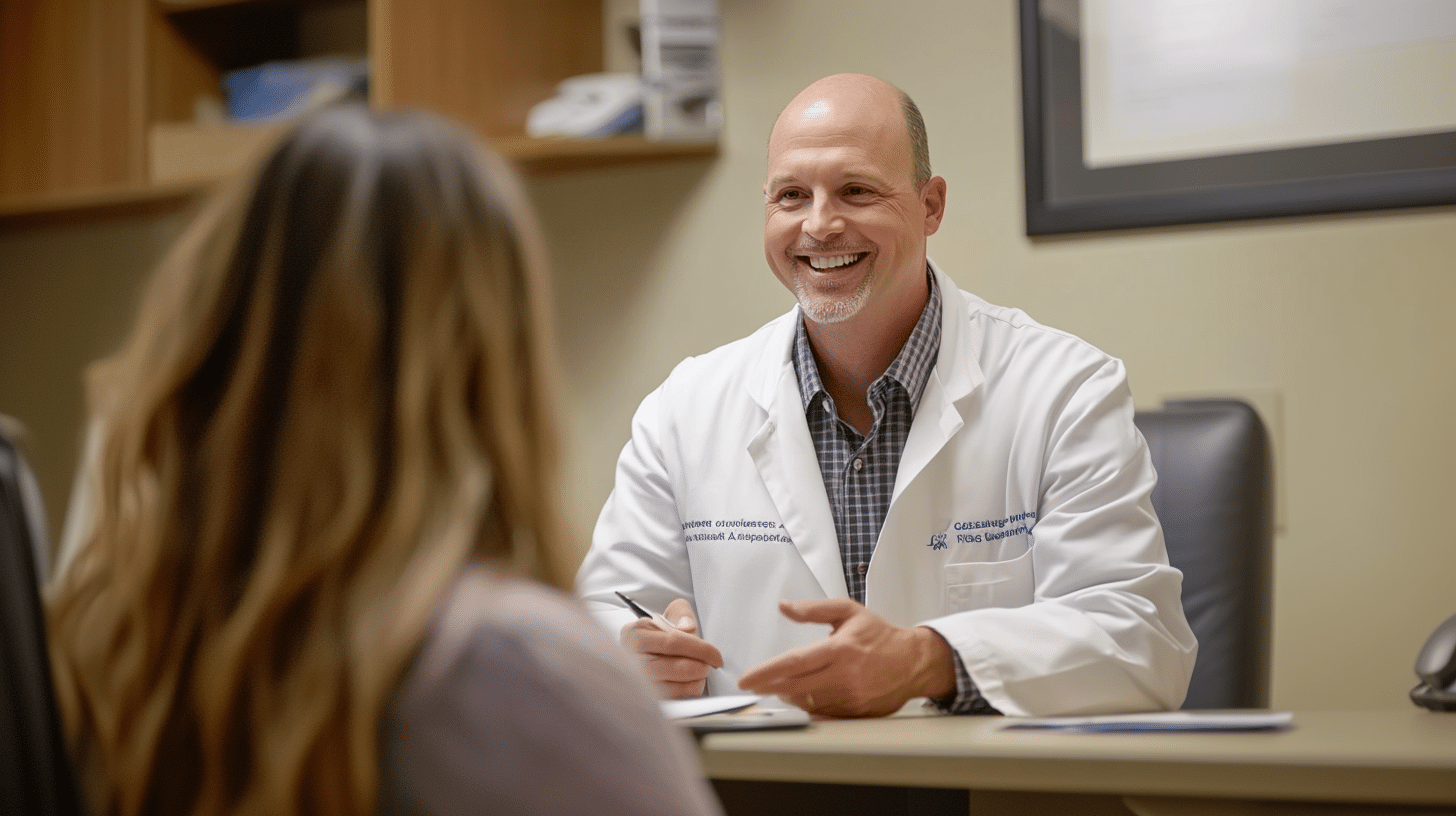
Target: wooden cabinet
[107,100]
[72,115]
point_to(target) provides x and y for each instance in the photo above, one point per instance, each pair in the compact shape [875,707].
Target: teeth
[831,262]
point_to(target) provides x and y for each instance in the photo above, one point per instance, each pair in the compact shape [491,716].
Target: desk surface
[1395,757]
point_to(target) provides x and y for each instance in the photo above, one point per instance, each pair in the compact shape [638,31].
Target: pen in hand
[707,654]
[655,617]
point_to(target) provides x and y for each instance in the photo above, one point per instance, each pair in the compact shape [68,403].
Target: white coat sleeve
[1105,631]
[638,546]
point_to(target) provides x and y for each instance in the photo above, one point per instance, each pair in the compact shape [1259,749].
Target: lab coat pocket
[984,584]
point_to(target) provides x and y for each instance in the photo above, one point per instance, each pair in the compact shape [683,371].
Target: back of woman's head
[336,394]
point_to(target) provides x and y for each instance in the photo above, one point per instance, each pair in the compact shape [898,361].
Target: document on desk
[1177,721]
[732,712]
[703,706]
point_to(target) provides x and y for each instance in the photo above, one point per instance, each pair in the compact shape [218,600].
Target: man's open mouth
[833,261]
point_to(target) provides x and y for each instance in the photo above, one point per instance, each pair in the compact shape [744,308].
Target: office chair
[36,776]
[1215,498]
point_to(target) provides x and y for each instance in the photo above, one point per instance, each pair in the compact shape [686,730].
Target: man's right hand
[678,661]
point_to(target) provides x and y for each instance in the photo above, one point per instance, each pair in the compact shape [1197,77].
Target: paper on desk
[753,718]
[1161,721]
[702,706]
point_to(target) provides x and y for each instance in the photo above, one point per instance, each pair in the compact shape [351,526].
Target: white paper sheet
[1160,721]
[702,706]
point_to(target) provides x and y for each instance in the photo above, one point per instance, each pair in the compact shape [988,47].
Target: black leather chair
[1215,498]
[36,776]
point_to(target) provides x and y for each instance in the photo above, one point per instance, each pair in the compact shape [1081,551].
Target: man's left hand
[867,667]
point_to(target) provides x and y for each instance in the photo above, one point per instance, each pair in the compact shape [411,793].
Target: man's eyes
[851,191]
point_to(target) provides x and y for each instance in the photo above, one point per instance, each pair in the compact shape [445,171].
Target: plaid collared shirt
[859,470]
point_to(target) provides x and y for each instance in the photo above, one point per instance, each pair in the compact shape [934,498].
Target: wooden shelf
[531,156]
[102,95]
[61,205]
[542,156]
[181,152]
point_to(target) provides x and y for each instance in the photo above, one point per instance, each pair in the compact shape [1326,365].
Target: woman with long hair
[324,547]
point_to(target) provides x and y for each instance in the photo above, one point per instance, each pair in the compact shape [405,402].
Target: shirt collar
[911,367]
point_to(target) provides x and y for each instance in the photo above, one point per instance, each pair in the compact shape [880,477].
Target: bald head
[873,107]
[848,209]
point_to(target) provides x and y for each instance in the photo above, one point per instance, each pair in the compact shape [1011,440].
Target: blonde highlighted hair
[338,392]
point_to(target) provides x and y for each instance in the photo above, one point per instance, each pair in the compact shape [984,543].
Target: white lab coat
[1020,527]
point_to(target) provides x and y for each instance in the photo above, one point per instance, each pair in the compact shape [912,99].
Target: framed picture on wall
[1141,113]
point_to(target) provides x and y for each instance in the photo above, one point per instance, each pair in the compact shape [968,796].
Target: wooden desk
[1349,762]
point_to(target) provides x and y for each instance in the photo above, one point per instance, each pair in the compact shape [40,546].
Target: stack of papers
[1186,721]
[702,706]
[732,712]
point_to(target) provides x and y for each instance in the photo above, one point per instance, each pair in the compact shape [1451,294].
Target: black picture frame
[1063,195]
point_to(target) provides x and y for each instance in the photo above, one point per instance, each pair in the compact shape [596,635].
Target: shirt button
[862,568]
[858,465]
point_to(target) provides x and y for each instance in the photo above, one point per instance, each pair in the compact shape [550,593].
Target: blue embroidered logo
[937,542]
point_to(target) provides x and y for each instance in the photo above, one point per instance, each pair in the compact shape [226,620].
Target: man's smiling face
[845,226]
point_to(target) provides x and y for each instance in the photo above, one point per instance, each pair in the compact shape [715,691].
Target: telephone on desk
[1436,666]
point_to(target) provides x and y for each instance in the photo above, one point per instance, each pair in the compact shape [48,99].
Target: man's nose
[823,219]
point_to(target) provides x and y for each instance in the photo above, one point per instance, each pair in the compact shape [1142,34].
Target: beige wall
[67,290]
[1337,326]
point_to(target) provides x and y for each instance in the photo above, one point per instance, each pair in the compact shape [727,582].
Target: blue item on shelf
[282,90]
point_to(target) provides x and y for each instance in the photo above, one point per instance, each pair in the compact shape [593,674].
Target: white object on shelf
[680,70]
[604,104]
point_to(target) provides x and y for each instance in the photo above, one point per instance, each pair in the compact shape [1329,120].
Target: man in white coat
[896,490]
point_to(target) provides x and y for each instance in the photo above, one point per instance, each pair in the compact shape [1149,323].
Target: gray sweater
[519,703]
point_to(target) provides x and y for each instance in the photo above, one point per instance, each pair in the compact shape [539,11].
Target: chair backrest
[1215,498]
[35,772]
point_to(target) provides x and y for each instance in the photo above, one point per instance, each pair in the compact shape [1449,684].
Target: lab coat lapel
[955,375]
[905,570]
[784,453]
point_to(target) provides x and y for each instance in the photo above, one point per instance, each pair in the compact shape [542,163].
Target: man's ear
[932,198]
